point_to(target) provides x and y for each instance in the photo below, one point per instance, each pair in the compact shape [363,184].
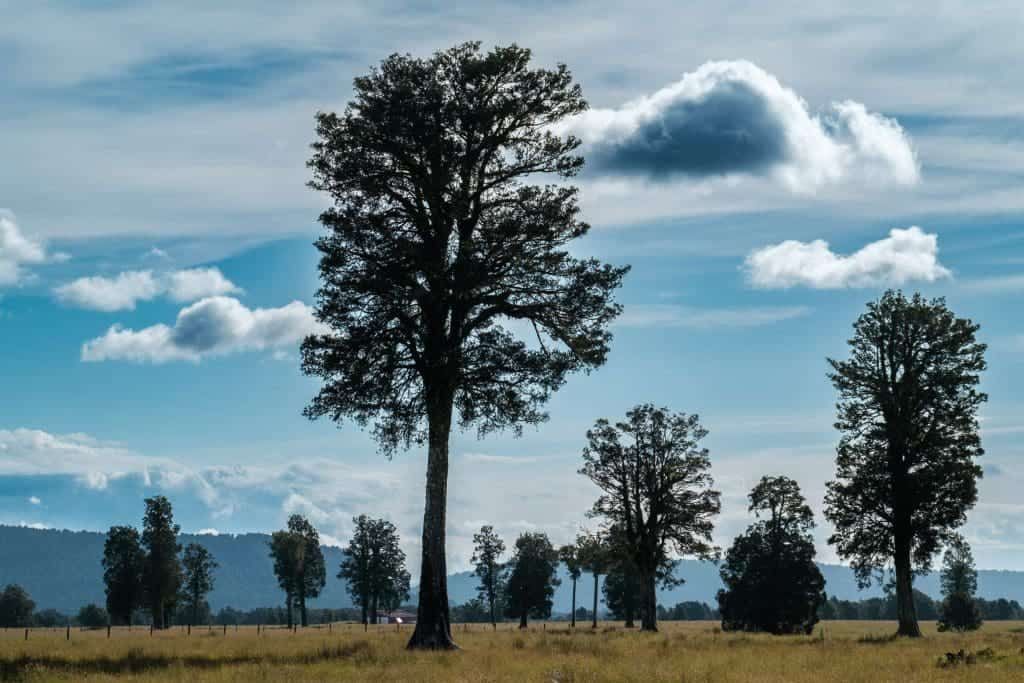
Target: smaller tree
[771,581]
[161,574]
[623,591]
[285,548]
[595,556]
[533,575]
[123,564]
[570,557]
[198,564]
[373,566]
[487,550]
[16,607]
[959,610]
[93,616]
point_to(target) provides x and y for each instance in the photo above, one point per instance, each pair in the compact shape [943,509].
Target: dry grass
[681,652]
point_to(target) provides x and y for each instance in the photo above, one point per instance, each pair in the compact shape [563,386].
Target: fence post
[108,631]
[26,634]
[151,630]
[258,629]
[189,632]
[225,629]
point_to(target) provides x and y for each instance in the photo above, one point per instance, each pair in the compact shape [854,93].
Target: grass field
[681,652]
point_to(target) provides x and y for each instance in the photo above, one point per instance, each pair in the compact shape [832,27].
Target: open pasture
[680,652]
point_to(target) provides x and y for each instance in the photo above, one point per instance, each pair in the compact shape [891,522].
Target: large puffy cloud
[18,250]
[903,256]
[212,326]
[733,118]
[125,290]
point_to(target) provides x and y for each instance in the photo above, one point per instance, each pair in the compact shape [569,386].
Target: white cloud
[732,118]
[210,327]
[18,250]
[125,290]
[906,255]
[34,500]
[1003,284]
[208,532]
[671,315]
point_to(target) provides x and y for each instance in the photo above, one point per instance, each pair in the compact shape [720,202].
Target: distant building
[398,617]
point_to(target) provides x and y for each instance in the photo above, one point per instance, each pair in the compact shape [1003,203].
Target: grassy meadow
[681,652]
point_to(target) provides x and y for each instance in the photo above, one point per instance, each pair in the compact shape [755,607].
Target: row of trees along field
[436,239]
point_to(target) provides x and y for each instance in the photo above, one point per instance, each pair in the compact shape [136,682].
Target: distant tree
[487,550]
[475,611]
[623,591]
[656,491]
[595,555]
[124,562]
[198,565]
[437,241]
[569,555]
[905,467]
[286,549]
[532,577]
[310,570]
[959,577]
[16,607]
[93,616]
[49,618]
[771,581]
[161,574]
[373,566]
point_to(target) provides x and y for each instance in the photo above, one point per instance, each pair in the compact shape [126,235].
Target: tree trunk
[195,609]
[630,609]
[158,613]
[906,612]
[302,608]
[291,620]
[490,599]
[365,602]
[574,603]
[374,614]
[522,620]
[648,603]
[433,622]
[594,615]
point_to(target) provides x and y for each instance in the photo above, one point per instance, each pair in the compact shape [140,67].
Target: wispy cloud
[123,291]
[18,250]
[670,315]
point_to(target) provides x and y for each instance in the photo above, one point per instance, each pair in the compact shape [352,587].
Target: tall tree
[310,570]
[487,550]
[595,556]
[436,241]
[656,491]
[959,610]
[161,574]
[569,555]
[771,581]
[906,470]
[198,566]
[286,549]
[16,607]
[123,565]
[532,577]
[373,566]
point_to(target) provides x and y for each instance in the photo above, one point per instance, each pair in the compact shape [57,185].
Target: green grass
[681,652]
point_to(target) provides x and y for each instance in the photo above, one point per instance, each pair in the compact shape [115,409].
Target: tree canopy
[373,565]
[438,248]
[198,566]
[906,470]
[123,564]
[959,610]
[161,573]
[487,550]
[532,577]
[298,564]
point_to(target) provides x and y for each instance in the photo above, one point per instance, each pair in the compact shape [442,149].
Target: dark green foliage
[771,581]
[906,471]
[487,550]
[436,240]
[532,577]
[123,564]
[570,557]
[161,573]
[198,566]
[373,564]
[49,618]
[656,492]
[689,611]
[298,565]
[16,607]
[476,611]
[959,610]
[92,616]
[623,591]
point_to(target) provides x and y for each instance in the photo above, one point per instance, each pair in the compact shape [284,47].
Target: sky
[766,171]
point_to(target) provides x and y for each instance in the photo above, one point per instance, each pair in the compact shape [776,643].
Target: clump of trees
[657,496]
[906,470]
[16,607]
[123,563]
[532,577]
[298,565]
[92,616]
[771,580]
[373,564]
[959,610]
[436,239]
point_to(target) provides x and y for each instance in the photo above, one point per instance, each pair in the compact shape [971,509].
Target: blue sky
[156,265]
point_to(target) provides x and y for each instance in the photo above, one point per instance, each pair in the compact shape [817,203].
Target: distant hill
[61,570]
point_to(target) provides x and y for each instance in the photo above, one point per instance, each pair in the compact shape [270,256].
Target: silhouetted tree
[486,560]
[436,241]
[123,564]
[16,607]
[298,564]
[198,565]
[623,591]
[905,466]
[595,556]
[959,610]
[286,549]
[161,574]
[373,565]
[532,577]
[771,581]
[656,491]
[569,555]
[93,616]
